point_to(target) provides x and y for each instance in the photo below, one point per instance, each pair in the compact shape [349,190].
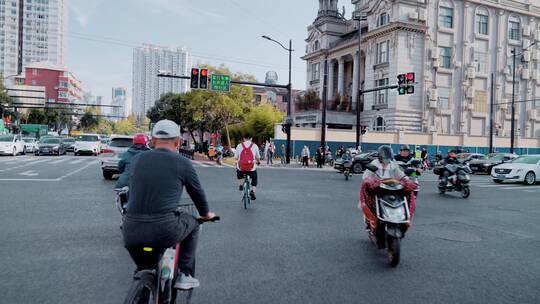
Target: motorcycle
[390,217]
[219,157]
[410,169]
[454,177]
[328,159]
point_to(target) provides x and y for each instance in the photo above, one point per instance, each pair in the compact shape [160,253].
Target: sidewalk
[278,165]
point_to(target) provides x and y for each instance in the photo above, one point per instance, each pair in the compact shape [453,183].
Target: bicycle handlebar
[203,220]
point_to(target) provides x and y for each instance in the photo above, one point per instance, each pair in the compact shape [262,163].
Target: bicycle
[246,198]
[157,274]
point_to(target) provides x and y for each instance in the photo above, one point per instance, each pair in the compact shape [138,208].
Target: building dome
[271,77]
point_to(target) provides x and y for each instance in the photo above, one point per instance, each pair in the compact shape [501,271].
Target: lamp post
[513,122]
[289,98]
[358,16]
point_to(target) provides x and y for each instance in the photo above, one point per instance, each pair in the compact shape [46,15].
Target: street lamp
[289,99]
[359,17]
[513,122]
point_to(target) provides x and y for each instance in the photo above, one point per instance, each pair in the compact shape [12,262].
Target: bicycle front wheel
[142,290]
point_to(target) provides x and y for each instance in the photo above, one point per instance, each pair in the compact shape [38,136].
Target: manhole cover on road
[455,231]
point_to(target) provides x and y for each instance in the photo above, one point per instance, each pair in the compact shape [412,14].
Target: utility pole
[359,95]
[324,102]
[492,99]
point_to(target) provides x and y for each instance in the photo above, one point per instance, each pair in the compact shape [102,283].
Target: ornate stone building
[452,47]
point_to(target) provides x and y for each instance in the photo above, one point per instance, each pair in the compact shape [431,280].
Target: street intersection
[302,240]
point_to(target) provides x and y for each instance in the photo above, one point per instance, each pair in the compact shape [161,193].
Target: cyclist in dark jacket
[140,144]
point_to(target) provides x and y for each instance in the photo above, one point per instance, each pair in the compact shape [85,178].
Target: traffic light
[363,130]
[204,79]
[405,83]
[194,78]
[285,128]
[410,83]
[402,88]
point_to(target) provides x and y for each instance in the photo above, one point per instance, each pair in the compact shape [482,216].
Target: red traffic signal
[194,83]
[204,79]
[204,72]
[410,76]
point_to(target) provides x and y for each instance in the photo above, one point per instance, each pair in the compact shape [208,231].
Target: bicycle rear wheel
[142,290]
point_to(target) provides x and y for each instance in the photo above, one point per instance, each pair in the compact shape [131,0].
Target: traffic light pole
[249,83]
[390,87]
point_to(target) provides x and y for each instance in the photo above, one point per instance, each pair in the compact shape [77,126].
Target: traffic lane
[62,242]
[44,167]
[315,251]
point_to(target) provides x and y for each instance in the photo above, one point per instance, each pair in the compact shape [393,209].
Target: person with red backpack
[247,157]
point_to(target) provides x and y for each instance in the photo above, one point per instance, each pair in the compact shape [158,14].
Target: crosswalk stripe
[229,166]
[60,161]
[521,188]
[25,165]
[77,161]
[202,165]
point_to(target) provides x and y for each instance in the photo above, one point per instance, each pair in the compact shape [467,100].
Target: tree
[4,99]
[90,121]
[125,126]
[36,116]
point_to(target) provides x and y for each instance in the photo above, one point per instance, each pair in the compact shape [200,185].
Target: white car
[524,169]
[30,144]
[112,153]
[11,145]
[87,144]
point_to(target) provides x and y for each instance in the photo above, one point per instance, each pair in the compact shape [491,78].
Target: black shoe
[252,195]
[241,188]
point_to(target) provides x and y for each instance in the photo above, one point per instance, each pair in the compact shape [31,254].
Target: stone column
[356,74]
[331,79]
[341,76]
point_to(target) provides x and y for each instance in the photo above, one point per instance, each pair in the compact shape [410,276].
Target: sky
[102,35]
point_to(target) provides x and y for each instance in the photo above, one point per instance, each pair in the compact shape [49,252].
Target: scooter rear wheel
[466,192]
[393,251]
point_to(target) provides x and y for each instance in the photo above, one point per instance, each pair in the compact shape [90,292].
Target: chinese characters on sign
[220,83]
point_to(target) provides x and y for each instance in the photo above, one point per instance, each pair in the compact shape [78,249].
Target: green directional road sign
[220,83]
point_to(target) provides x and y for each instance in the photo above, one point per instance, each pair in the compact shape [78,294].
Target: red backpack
[246,161]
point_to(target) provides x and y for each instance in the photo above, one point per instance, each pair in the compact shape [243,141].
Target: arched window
[383,19]
[482,21]
[379,124]
[514,28]
[446,14]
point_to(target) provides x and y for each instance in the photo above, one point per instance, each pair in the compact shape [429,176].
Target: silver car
[111,154]
[30,144]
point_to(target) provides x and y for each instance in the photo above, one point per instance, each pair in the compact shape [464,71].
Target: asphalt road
[301,242]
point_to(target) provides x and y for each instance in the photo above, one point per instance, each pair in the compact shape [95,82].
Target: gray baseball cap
[166,129]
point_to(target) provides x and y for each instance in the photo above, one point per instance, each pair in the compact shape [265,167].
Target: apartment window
[514,28]
[379,124]
[382,52]
[33,82]
[446,17]
[63,84]
[446,57]
[34,72]
[258,98]
[316,45]
[482,23]
[381,97]
[315,71]
[384,19]
[444,103]
[480,59]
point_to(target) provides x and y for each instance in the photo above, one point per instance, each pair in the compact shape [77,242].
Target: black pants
[164,231]
[305,161]
[252,174]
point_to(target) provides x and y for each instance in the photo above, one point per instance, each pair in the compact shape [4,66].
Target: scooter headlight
[395,215]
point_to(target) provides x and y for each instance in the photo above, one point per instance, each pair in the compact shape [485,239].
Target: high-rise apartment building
[147,86]
[32,31]
[119,99]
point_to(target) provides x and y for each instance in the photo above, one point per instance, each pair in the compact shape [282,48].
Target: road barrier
[187,153]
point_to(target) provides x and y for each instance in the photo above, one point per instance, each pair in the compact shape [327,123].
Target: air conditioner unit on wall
[527,56]
[434,53]
[413,15]
[531,114]
[536,75]
[433,94]
[503,105]
[436,63]
[433,104]
[526,43]
[525,73]
[535,55]
[422,14]
[526,30]
[470,92]
[471,72]
[537,35]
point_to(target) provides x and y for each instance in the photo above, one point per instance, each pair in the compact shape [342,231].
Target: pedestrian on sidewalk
[305,156]
[320,157]
[270,153]
[283,154]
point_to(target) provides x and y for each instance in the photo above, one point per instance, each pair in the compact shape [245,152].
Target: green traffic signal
[402,90]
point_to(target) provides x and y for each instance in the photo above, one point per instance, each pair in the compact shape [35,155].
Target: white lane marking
[229,166]
[202,165]
[60,160]
[30,179]
[80,169]
[521,188]
[25,165]
[80,160]
[29,173]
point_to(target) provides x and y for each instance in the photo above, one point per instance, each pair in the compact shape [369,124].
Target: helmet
[140,139]
[386,155]
[404,147]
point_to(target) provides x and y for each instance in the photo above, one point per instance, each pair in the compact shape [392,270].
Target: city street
[301,241]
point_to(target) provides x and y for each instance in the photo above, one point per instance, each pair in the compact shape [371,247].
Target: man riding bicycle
[247,157]
[156,181]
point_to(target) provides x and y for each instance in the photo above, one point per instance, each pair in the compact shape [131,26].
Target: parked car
[11,145]
[51,146]
[492,159]
[87,144]
[524,169]
[70,143]
[465,158]
[30,144]
[360,161]
[112,153]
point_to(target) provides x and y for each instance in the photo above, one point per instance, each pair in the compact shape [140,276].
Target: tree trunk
[228,136]
[192,136]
